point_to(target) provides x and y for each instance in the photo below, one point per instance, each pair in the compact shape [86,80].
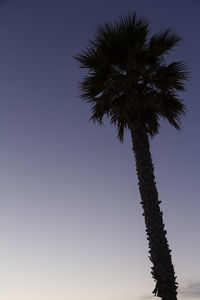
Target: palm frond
[100,108]
[171,76]
[172,109]
[163,41]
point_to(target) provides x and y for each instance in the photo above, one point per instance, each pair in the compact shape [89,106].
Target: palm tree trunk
[162,270]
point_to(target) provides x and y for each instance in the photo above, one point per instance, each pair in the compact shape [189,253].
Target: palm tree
[130,81]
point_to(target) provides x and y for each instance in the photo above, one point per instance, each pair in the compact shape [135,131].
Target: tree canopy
[129,78]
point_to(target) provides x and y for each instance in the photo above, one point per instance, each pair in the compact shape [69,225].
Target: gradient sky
[71,225]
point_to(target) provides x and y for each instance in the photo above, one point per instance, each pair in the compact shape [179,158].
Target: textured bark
[162,270]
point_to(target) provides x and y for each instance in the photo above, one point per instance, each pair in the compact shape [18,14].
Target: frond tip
[163,41]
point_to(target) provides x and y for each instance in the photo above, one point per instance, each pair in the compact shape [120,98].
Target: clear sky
[71,226]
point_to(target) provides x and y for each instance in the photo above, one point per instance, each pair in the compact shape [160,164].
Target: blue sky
[71,224]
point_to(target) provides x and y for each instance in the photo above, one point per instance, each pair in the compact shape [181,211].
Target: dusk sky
[71,224]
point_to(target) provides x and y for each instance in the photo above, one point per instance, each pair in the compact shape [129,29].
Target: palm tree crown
[129,79]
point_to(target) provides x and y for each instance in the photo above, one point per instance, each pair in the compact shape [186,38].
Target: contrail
[47,150]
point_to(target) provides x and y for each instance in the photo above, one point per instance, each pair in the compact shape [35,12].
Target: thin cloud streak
[191,291]
[146,297]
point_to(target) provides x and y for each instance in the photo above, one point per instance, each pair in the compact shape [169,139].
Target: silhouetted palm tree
[130,81]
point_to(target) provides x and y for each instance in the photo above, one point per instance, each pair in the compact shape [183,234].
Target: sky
[71,225]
